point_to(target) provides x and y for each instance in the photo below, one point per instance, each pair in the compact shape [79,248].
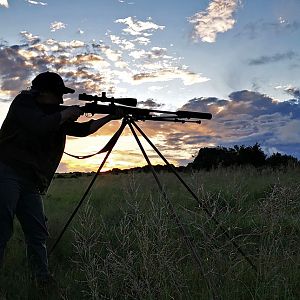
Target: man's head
[51,87]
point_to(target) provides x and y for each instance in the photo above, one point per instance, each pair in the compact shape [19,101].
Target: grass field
[125,244]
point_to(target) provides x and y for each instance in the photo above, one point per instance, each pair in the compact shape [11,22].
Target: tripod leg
[224,231]
[88,188]
[187,240]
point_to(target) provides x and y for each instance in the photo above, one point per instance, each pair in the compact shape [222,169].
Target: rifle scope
[123,101]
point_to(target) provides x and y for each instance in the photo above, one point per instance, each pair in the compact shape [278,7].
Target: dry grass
[125,244]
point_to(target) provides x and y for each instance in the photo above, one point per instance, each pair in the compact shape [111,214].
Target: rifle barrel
[193,114]
[185,114]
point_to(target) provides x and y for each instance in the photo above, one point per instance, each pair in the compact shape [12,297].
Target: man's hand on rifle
[72,113]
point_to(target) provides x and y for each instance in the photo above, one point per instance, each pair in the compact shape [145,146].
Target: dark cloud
[21,62]
[273,58]
[187,139]
[246,117]
[14,72]
[295,92]
[150,103]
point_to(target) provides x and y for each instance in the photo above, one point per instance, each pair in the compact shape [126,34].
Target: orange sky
[126,153]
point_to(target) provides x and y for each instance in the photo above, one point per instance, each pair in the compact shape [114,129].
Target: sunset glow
[237,59]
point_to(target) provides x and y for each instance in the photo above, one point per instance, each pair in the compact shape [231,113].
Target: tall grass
[124,244]
[136,258]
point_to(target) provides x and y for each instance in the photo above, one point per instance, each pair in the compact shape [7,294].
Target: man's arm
[86,128]
[97,124]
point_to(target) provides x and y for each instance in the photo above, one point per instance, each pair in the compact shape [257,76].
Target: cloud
[295,92]
[154,54]
[80,31]
[217,18]
[123,1]
[273,58]
[122,43]
[142,40]
[139,28]
[4,3]
[36,2]
[14,71]
[156,65]
[155,58]
[259,27]
[150,103]
[171,73]
[57,26]
[89,67]
[84,71]
[155,88]
[30,38]
[247,117]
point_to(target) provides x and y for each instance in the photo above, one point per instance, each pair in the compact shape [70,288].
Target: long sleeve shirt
[32,140]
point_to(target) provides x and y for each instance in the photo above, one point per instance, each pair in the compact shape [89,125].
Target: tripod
[128,120]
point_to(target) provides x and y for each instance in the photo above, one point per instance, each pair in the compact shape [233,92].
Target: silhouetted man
[32,141]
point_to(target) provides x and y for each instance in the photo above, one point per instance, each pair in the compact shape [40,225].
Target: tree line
[209,158]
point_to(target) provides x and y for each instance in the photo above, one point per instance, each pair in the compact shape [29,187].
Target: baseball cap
[49,81]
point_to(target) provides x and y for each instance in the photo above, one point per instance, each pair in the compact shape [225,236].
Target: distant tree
[116,171]
[250,155]
[209,158]
[75,174]
[60,175]
[281,160]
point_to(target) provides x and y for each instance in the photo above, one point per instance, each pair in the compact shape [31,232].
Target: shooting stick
[127,120]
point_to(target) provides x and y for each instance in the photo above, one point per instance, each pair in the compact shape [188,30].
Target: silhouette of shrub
[281,160]
[210,158]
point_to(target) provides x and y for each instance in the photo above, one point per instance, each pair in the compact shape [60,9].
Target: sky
[237,59]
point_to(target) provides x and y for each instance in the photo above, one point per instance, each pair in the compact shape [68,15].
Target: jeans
[20,197]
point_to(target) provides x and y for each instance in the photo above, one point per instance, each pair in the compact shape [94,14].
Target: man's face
[50,97]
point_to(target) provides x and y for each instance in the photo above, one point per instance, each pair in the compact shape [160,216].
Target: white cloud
[122,43]
[57,26]
[139,28]
[111,54]
[137,54]
[36,2]
[217,18]
[142,40]
[155,88]
[4,3]
[29,37]
[167,74]
[156,53]
[72,44]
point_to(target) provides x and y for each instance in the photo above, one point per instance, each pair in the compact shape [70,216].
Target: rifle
[128,108]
